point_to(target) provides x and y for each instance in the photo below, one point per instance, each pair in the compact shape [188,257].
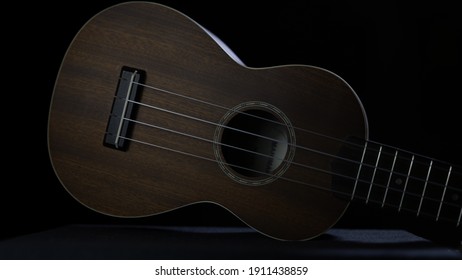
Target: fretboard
[385,176]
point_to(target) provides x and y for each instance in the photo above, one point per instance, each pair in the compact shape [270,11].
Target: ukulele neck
[388,177]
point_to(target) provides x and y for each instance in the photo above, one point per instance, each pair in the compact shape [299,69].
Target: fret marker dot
[398,181]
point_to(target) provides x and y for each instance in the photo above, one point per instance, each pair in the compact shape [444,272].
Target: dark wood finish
[179,56]
[403,182]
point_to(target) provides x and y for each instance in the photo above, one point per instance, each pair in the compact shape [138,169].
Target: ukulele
[151,112]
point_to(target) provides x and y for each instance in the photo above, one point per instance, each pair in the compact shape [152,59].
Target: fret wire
[359,171]
[405,184]
[389,178]
[425,187]
[373,175]
[444,193]
[460,215]
[418,155]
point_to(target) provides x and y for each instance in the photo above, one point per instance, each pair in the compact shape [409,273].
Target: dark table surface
[170,242]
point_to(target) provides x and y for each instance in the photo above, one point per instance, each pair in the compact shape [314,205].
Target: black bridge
[123,109]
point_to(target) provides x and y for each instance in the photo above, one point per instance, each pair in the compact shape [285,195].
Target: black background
[403,60]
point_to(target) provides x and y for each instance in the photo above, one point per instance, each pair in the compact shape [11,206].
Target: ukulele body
[192,125]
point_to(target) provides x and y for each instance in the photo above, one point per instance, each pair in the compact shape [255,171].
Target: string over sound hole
[255,143]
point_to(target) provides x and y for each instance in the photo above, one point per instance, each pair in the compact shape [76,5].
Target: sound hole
[256,144]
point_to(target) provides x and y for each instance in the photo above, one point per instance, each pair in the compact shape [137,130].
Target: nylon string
[272,157]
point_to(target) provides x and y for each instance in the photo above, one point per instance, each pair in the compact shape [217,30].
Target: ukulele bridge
[123,108]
